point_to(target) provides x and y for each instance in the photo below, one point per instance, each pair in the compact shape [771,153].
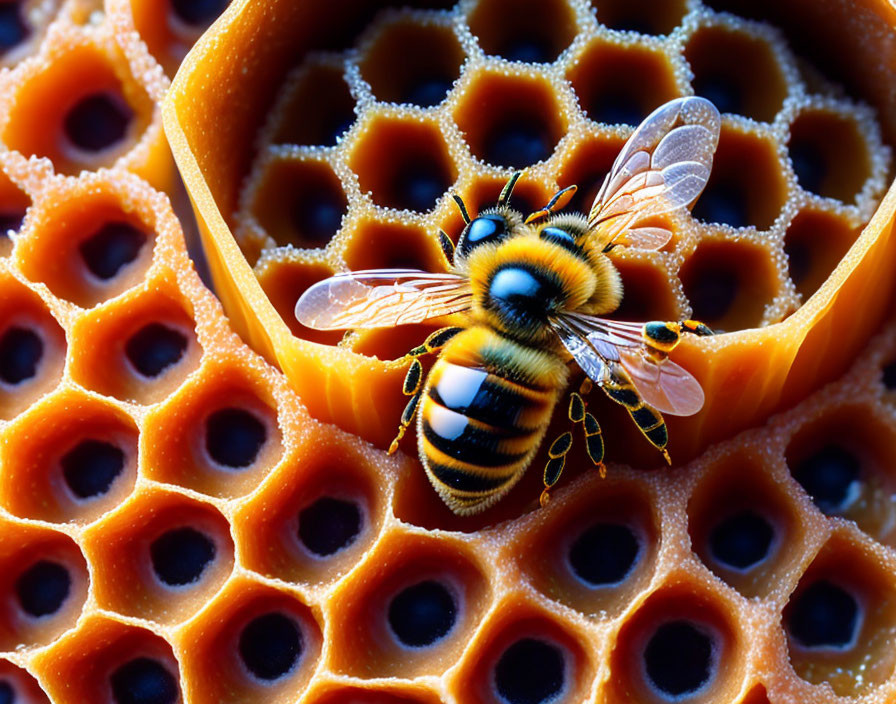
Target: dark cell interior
[318,210]
[154,348]
[604,554]
[318,111]
[7,693]
[531,31]
[200,13]
[517,141]
[888,376]
[21,350]
[11,221]
[181,555]
[43,588]
[234,437]
[144,680]
[270,645]
[111,248]
[13,29]
[823,615]
[644,16]
[418,185]
[712,293]
[829,475]
[91,466]
[329,525]
[530,671]
[679,658]
[422,614]
[98,121]
[741,540]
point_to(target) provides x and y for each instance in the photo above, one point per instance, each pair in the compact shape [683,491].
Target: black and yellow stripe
[484,411]
[620,388]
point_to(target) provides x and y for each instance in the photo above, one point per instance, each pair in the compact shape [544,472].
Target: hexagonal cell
[32,348]
[744,527]
[16,685]
[531,31]
[160,558]
[525,655]
[79,111]
[14,202]
[738,72]
[316,107]
[622,84]
[283,282]
[72,457]
[746,187]
[840,620]
[510,120]
[597,554]
[89,247]
[413,613]
[647,292]
[842,459]
[412,62]
[43,585]
[644,16]
[374,244]
[139,349]
[170,27]
[317,517]
[829,154]
[253,644]
[815,243]
[392,343]
[586,167]
[681,645]
[218,435]
[729,284]
[105,660]
[395,694]
[403,163]
[299,201]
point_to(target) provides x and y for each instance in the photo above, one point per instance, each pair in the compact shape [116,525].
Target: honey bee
[528,294]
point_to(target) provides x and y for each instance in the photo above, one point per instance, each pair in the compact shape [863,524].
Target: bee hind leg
[556,461]
[406,417]
[594,440]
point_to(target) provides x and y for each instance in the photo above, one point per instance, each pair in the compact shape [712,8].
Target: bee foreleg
[406,417]
[557,460]
[594,441]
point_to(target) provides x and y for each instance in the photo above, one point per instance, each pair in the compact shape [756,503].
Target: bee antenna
[508,188]
[564,193]
[463,208]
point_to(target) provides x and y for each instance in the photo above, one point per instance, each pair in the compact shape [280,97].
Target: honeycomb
[178,525]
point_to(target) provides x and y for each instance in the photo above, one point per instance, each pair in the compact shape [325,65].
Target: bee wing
[382,298]
[663,167]
[594,342]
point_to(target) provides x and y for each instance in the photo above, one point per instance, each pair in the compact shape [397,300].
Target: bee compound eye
[559,236]
[482,230]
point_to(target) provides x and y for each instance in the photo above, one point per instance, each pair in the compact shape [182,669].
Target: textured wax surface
[174,526]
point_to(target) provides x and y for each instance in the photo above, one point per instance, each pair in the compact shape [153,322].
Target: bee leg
[619,387]
[594,441]
[447,247]
[433,343]
[557,460]
[406,417]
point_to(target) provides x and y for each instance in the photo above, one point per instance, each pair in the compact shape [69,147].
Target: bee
[529,295]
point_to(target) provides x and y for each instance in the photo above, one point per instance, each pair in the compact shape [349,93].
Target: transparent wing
[661,383]
[662,168]
[382,298]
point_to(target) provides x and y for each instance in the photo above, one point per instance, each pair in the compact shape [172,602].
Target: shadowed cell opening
[7,693]
[422,614]
[11,222]
[604,554]
[144,680]
[815,243]
[234,437]
[318,110]
[154,348]
[530,31]
[823,615]
[91,466]
[98,121]
[888,375]
[530,671]
[180,556]
[644,16]
[199,13]
[741,540]
[329,525]
[13,28]
[678,658]
[111,248]
[43,588]
[831,476]
[21,350]
[270,645]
